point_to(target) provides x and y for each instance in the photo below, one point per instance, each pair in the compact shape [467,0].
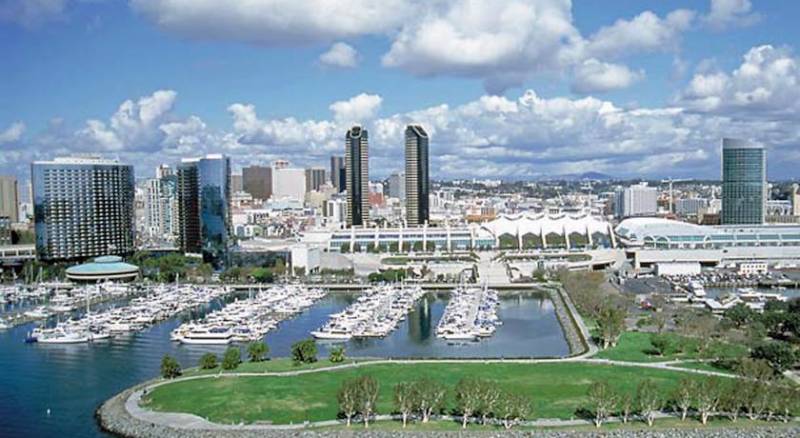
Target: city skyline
[587,97]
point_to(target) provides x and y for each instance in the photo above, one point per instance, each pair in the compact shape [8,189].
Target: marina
[161,302]
[72,379]
[470,315]
[250,319]
[375,314]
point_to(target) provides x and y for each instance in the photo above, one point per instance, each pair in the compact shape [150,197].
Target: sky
[510,89]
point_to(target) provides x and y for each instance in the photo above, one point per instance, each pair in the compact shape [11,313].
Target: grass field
[636,347]
[557,390]
[276,365]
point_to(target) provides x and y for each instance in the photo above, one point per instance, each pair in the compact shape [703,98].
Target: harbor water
[53,390]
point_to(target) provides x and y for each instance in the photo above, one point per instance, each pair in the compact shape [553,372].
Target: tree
[430,396]
[405,400]
[661,343]
[740,315]
[467,398]
[707,394]
[625,405]
[601,401]
[757,374]
[170,368]
[611,322]
[513,408]
[304,351]
[732,400]
[232,358]
[367,397]
[649,400]
[208,361]
[262,275]
[779,355]
[488,397]
[256,351]
[659,321]
[418,246]
[344,248]
[348,399]
[336,354]
[684,396]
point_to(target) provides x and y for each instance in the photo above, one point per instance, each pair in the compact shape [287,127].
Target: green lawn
[557,390]
[636,347]
[273,365]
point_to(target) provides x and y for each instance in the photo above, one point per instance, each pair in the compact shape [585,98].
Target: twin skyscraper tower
[416,170]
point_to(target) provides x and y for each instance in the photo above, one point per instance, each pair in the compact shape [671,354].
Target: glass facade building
[83,208]
[204,193]
[417,176]
[357,178]
[744,183]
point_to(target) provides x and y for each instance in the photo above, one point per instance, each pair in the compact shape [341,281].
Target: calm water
[72,380]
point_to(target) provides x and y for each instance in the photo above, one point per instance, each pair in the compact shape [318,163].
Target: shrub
[232,358]
[170,368]
[208,361]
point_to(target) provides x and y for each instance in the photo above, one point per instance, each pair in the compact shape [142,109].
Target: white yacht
[212,336]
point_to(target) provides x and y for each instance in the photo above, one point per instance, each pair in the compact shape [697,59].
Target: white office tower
[289,183]
[161,208]
[335,211]
[357,175]
[636,200]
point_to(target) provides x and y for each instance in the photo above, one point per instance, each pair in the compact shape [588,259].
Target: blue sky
[508,88]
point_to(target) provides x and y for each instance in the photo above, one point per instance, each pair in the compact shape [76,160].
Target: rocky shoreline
[575,340]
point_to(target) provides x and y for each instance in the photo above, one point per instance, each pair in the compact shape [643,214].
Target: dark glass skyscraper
[83,208]
[417,176]
[204,193]
[744,182]
[357,178]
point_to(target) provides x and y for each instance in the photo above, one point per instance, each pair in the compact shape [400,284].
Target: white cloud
[728,13]
[275,22]
[340,55]
[646,32]
[594,76]
[32,14]
[13,133]
[357,109]
[133,125]
[767,82]
[501,41]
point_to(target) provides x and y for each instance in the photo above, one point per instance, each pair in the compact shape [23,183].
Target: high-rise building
[289,182]
[417,176]
[83,207]
[204,194]
[357,175]
[9,198]
[237,182]
[315,178]
[160,208]
[795,200]
[338,173]
[397,185]
[636,200]
[744,182]
[257,181]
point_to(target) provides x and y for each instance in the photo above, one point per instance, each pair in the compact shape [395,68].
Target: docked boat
[212,336]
